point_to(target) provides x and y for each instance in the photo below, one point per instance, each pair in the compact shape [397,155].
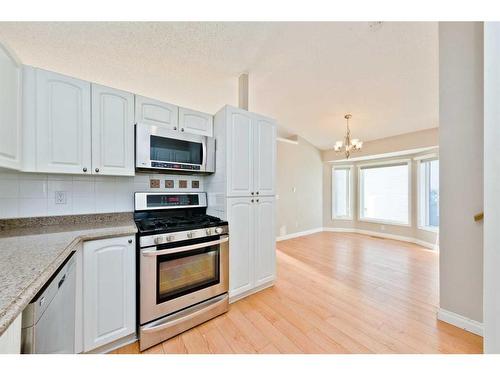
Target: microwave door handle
[204,153]
[154,253]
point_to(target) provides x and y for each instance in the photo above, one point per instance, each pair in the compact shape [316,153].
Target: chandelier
[348,145]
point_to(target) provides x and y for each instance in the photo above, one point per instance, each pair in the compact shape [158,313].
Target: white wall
[33,194]
[491,187]
[299,189]
[461,168]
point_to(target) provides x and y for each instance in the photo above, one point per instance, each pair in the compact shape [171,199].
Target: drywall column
[243,91]
[491,187]
[461,173]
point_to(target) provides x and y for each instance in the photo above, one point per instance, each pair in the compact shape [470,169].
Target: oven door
[165,149]
[173,278]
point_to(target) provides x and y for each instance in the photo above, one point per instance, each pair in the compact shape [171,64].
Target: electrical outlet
[60,197]
[154,183]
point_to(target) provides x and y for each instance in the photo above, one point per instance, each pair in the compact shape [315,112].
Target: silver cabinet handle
[97,170]
[154,253]
[85,169]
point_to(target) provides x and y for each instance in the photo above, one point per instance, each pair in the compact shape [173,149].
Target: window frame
[382,164]
[350,191]
[421,200]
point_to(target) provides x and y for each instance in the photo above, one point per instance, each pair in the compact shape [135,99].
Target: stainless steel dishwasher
[48,322]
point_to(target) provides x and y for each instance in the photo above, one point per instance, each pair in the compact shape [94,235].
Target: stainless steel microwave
[163,149]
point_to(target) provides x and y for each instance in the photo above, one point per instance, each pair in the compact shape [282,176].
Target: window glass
[341,193]
[384,193]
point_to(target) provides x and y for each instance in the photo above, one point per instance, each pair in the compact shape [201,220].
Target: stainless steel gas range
[183,258]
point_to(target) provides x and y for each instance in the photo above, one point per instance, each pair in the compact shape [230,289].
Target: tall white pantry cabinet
[242,190]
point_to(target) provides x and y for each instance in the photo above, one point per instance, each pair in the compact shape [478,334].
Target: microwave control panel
[156,164]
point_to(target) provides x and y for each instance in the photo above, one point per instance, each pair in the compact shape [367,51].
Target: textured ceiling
[306,75]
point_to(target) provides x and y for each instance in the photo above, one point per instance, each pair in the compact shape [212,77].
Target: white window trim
[420,218]
[350,192]
[360,195]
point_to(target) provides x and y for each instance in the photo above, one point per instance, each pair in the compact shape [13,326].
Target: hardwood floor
[335,293]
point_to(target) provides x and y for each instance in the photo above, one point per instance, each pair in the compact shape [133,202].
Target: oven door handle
[154,253]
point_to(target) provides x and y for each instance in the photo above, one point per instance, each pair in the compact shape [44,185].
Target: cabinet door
[153,112]
[241,243]
[112,131]
[264,156]
[195,122]
[10,106]
[108,290]
[240,162]
[62,124]
[265,241]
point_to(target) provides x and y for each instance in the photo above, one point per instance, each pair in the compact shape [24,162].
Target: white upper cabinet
[251,153]
[195,122]
[264,156]
[265,252]
[62,118]
[10,106]
[153,112]
[112,131]
[108,290]
[240,214]
[240,152]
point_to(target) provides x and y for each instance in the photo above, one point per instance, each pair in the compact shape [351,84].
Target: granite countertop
[31,250]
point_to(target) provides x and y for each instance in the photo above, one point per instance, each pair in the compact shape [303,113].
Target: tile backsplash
[36,194]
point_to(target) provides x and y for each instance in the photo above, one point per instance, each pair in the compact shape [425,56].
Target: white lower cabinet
[252,254]
[109,311]
[241,245]
[10,340]
[265,242]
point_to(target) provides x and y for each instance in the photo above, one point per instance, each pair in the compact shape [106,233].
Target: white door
[265,241]
[264,156]
[112,131]
[153,112]
[10,106]
[62,124]
[240,161]
[241,243]
[195,122]
[108,290]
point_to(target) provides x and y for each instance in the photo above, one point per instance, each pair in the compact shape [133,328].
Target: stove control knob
[159,240]
[190,234]
[170,238]
[209,231]
[218,230]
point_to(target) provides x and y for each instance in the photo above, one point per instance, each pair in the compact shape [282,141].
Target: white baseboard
[299,234]
[425,244]
[234,298]
[460,321]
